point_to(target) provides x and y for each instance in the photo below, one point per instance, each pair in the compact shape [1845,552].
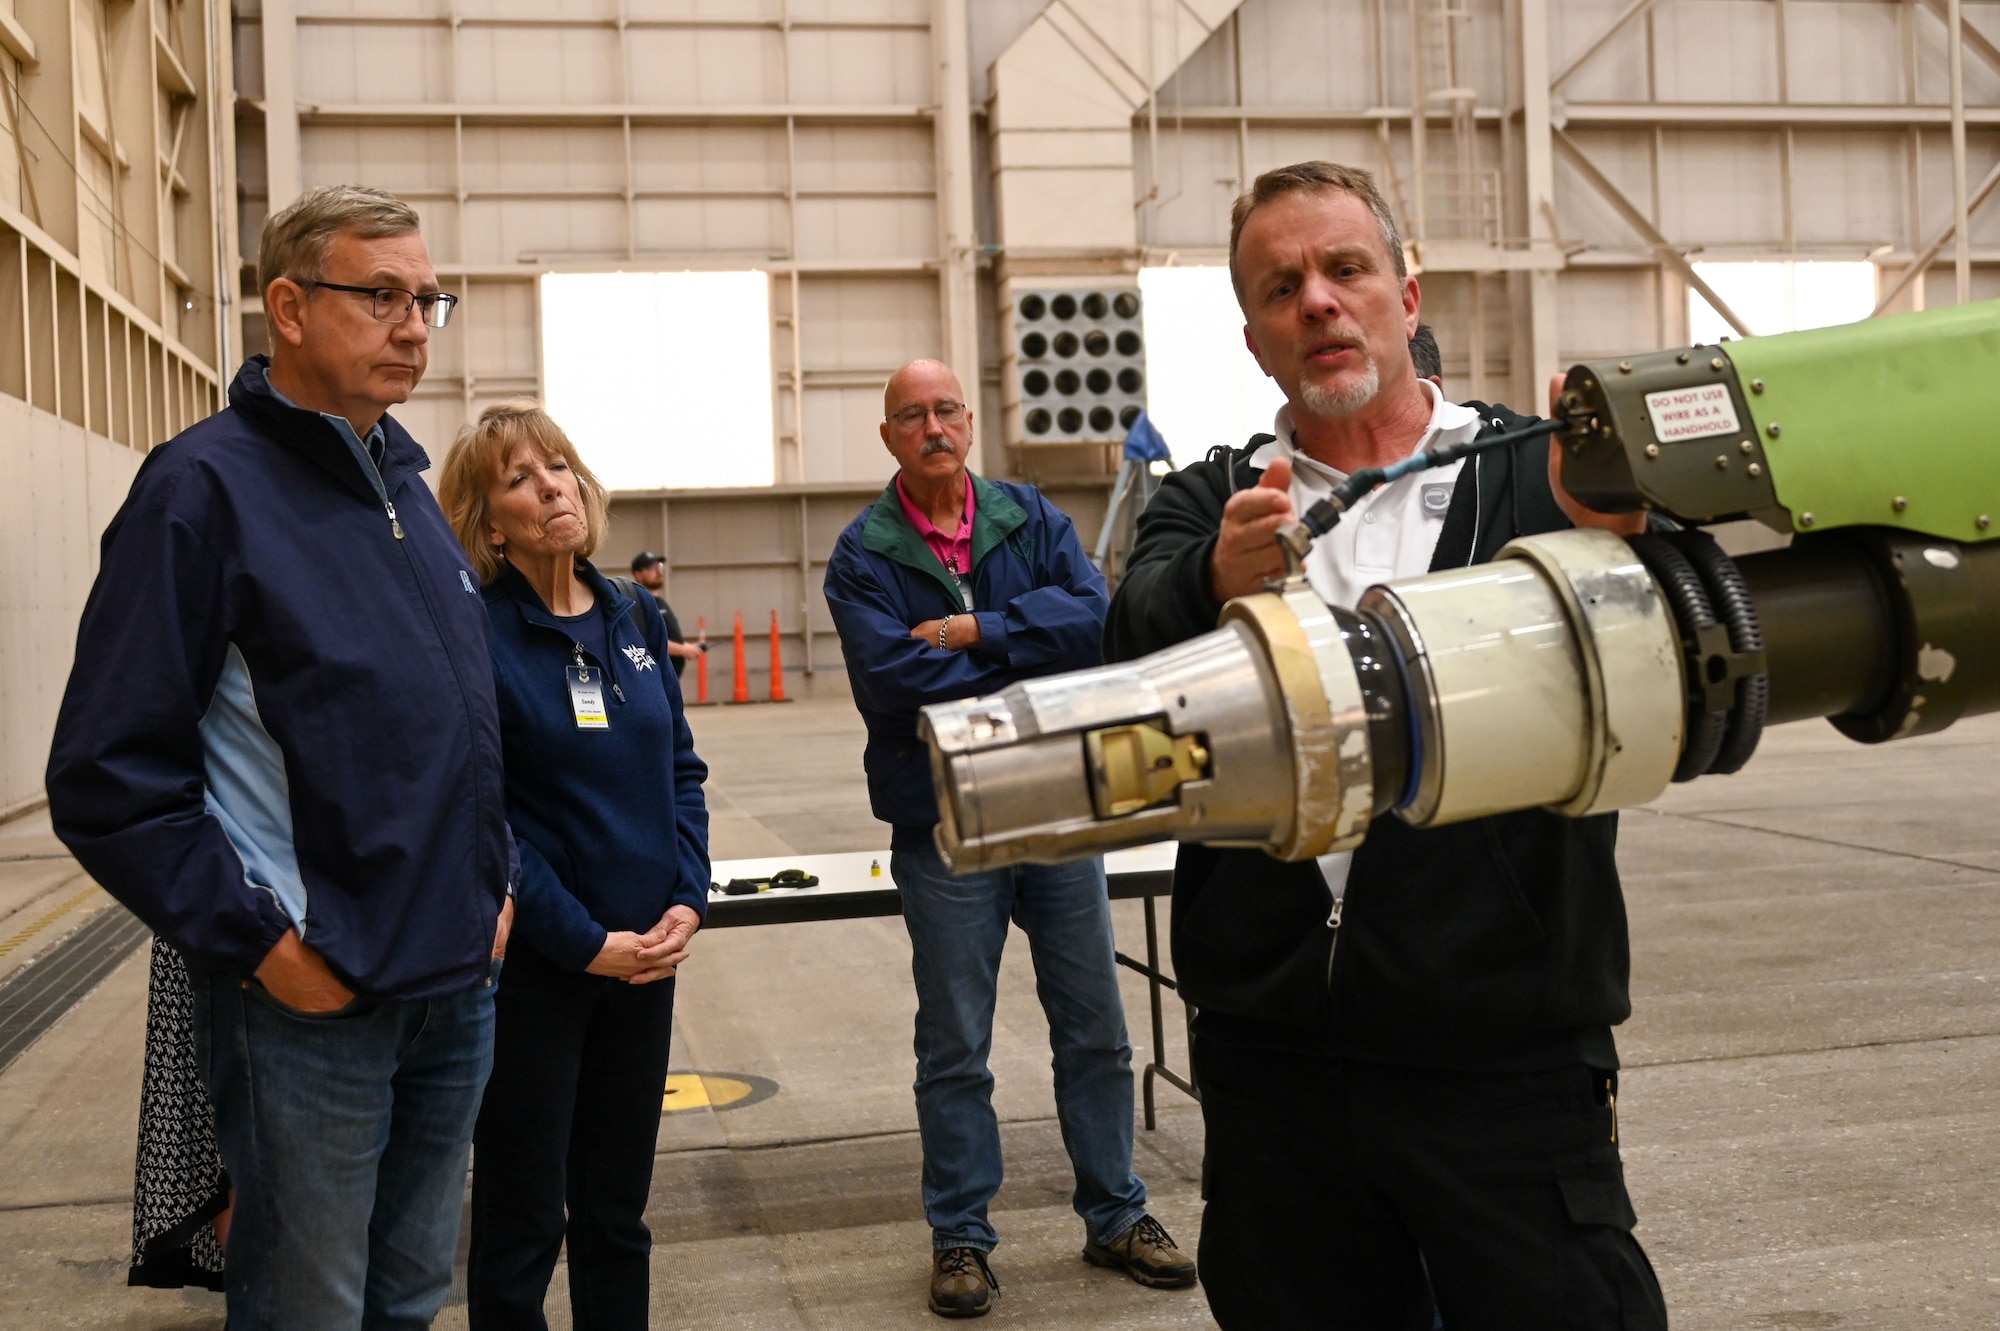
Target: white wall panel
[1844,52]
[717,67]
[848,446]
[1722,187]
[735,228]
[547,159]
[1617,73]
[860,229]
[499,337]
[868,324]
[1851,189]
[1626,158]
[539,66]
[67,484]
[861,67]
[543,230]
[708,157]
[866,157]
[1604,313]
[403,159]
[368,62]
[1198,182]
[1717,51]
[1304,53]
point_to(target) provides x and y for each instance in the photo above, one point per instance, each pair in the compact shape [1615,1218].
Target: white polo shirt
[1391,532]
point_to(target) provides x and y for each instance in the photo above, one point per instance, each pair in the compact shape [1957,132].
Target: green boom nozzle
[1890,422]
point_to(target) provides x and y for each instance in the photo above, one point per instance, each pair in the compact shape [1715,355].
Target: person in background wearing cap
[650,572]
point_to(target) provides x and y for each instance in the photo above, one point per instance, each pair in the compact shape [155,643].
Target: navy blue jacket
[1039,601]
[611,824]
[255,552]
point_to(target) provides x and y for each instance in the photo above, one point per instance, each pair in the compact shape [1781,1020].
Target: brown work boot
[962,1284]
[1146,1252]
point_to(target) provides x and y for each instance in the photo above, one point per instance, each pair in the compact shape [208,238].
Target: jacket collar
[309,433]
[995,517]
[511,585]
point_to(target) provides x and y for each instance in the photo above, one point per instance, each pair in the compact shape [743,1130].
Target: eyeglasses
[392,304]
[948,413]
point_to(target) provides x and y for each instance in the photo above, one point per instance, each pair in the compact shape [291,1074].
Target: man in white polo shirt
[1431,1105]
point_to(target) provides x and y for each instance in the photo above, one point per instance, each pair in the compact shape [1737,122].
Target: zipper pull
[1333,916]
[620,692]
[394,525]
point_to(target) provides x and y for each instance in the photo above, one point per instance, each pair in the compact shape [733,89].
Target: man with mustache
[1430,1105]
[949,586]
[280,748]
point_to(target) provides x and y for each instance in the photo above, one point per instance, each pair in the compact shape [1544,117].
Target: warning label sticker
[1691,413]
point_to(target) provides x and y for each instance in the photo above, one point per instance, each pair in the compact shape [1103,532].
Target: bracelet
[944,624]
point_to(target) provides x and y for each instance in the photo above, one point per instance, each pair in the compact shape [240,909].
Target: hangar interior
[1576,179]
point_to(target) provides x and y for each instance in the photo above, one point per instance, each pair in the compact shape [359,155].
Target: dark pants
[1332,1185]
[564,1146]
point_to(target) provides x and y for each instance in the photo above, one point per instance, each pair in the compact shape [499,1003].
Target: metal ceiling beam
[411,113]
[1614,115]
[1597,43]
[1929,253]
[1975,41]
[1801,115]
[1639,222]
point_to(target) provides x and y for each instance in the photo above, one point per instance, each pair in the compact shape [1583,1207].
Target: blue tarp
[1143,442]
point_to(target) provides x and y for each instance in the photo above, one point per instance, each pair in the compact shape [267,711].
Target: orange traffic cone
[742,666]
[777,665]
[701,663]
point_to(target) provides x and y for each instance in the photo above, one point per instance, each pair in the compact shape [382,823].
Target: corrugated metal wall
[111,162]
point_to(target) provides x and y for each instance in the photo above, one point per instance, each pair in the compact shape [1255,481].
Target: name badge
[586,697]
[1437,499]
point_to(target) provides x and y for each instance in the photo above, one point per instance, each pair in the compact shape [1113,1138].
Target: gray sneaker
[1146,1252]
[962,1284]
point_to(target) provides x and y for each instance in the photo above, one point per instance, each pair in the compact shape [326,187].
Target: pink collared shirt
[954,552]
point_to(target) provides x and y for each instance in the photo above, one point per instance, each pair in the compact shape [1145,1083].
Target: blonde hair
[295,239]
[474,463]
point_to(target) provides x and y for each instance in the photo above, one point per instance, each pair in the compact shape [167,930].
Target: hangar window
[1781,296]
[662,379]
[1203,386]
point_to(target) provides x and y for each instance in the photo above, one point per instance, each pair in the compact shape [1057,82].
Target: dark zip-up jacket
[1498,943]
[1039,601]
[260,543]
[611,824]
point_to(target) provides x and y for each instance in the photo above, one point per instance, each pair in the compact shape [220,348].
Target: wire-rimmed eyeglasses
[948,413]
[392,304]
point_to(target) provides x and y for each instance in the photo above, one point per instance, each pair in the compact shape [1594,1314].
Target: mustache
[937,443]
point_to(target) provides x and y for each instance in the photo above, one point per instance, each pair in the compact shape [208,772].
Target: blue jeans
[346,1136]
[958,926]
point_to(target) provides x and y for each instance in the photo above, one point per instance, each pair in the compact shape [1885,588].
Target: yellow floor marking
[691,1090]
[46,918]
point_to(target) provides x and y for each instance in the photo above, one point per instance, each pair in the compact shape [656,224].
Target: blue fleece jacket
[1039,601]
[282,708]
[611,824]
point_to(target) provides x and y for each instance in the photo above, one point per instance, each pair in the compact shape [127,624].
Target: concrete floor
[1810,1112]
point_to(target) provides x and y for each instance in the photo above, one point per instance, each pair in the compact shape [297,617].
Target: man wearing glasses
[280,748]
[951,585]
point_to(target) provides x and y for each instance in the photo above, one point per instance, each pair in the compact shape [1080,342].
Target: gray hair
[295,240]
[1314,178]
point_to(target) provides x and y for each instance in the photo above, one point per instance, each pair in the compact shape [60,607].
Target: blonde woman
[604,798]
